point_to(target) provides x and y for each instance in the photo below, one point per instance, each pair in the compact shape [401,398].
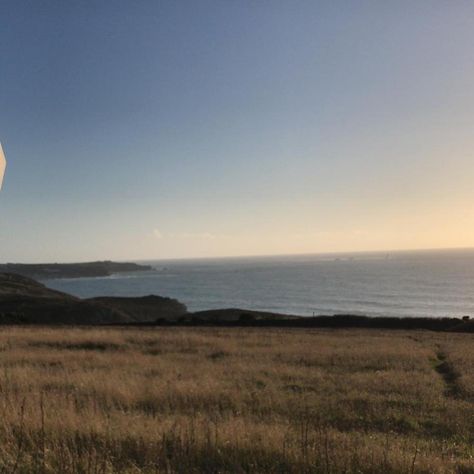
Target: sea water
[424,283]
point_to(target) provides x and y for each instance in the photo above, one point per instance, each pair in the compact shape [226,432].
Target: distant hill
[24,300]
[47,271]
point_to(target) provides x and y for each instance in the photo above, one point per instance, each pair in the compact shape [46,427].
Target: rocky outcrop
[24,300]
[146,308]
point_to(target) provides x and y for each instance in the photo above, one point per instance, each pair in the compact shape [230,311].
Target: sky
[173,129]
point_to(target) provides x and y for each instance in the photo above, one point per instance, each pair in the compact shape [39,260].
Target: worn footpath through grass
[235,400]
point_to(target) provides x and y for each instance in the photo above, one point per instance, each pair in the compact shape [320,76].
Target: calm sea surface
[429,283]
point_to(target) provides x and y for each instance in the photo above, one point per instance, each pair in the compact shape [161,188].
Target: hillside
[146,308]
[24,300]
[244,317]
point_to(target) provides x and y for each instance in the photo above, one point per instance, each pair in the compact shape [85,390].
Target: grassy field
[235,400]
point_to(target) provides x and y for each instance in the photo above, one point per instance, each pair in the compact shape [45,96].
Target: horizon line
[305,254]
[248,256]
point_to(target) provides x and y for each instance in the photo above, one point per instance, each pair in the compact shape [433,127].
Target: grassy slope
[23,300]
[235,400]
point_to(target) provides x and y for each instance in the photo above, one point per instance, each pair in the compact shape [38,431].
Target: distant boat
[3,164]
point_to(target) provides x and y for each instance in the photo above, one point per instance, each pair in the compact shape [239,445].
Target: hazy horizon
[159,130]
[342,253]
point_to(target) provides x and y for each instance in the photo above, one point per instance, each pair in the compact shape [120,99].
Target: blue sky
[156,129]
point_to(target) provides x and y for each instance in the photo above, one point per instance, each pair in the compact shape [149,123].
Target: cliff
[25,301]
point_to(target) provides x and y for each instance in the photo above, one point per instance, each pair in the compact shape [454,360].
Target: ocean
[421,283]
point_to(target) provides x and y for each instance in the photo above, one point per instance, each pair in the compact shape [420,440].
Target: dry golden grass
[235,400]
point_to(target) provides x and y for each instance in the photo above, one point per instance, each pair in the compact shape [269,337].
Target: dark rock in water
[145,308]
[25,301]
